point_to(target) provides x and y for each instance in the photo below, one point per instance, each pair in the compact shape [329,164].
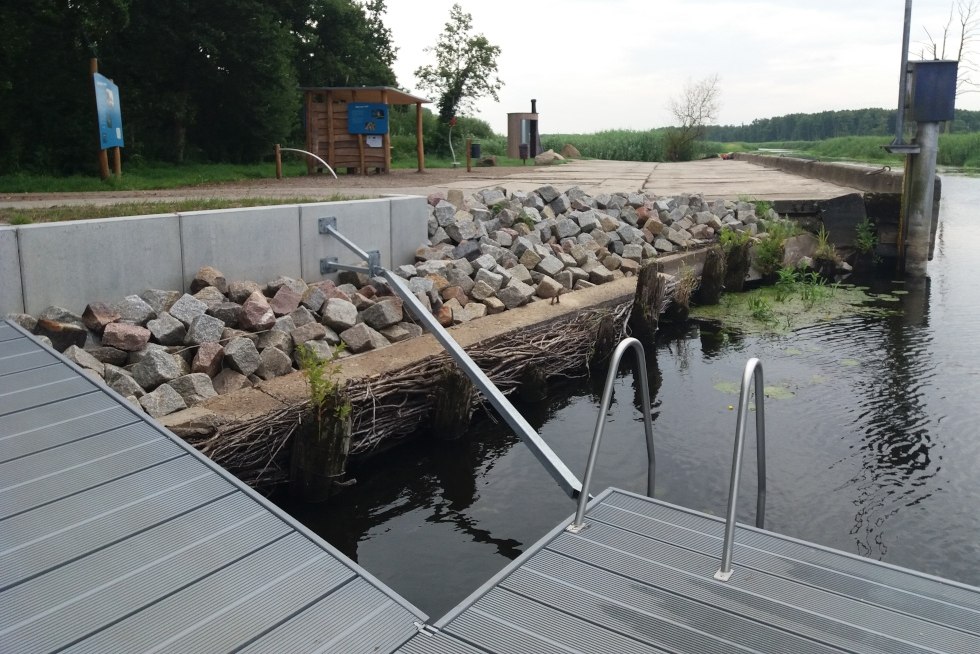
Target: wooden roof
[371,94]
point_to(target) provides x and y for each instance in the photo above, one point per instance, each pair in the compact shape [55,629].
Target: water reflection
[872,451]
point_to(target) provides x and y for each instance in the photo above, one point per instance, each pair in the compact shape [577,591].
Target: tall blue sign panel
[110,112]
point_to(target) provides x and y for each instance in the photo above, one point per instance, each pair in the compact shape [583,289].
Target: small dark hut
[348,126]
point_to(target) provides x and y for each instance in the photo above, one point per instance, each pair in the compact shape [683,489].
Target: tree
[465,68]
[345,43]
[696,107]
[959,34]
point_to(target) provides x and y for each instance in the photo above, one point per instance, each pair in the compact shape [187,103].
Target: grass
[84,212]
[145,177]
[955,150]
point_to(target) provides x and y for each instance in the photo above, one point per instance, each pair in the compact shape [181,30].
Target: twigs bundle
[393,405]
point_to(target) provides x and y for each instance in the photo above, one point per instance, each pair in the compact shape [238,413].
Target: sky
[615,64]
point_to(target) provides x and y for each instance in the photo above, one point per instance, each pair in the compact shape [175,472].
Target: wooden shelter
[348,126]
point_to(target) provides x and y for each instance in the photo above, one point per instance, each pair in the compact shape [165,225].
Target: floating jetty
[116,535]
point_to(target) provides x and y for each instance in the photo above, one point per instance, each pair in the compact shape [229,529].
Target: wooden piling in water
[319,451]
[647,302]
[736,267]
[453,406]
[712,277]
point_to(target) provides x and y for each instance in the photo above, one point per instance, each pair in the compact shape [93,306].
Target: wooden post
[117,161]
[278,161]
[311,131]
[712,277]
[319,452]
[93,66]
[331,134]
[469,161]
[649,298]
[737,267]
[453,405]
[420,148]
[360,154]
[386,138]
[533,385]
[605,342]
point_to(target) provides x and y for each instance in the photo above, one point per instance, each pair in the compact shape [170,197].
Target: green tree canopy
[465,68]
[213,80]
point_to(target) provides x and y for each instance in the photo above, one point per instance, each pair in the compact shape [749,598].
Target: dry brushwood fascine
[392,406]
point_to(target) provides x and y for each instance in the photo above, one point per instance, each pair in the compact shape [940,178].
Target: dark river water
[874,451]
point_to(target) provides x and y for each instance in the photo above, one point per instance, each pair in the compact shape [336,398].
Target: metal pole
[559,471]
[752,369]
[600,424]
[903,78]
[921,190]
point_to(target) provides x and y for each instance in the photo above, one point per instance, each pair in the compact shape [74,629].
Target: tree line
[211,81]
[827,125]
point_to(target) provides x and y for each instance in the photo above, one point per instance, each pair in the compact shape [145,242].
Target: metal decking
[116,536]
[639,578]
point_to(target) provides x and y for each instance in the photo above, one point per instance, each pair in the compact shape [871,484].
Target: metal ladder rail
[627,343]
[753,371]
[554,465]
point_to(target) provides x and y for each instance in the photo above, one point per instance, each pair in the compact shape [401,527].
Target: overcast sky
[609,64]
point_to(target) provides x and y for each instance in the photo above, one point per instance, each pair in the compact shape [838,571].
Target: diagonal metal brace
[328,226]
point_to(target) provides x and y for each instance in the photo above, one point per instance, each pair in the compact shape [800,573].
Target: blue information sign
[110,112]
[367,118]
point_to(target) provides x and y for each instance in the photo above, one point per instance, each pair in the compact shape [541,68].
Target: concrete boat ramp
[115,536]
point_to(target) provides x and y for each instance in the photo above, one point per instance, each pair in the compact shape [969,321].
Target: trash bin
[475,150]
[524,148]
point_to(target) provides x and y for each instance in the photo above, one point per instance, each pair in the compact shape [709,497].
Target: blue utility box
[932,92]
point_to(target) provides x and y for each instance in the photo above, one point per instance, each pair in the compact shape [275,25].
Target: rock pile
[167,350]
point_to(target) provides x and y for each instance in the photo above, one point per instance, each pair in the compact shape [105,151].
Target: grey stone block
[193,388]
[162,402]
[187,308]
[242,355]
[156,367]
[273,362]
[204,329]
[361,338]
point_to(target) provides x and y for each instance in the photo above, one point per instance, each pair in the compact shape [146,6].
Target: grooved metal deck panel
[116,536]
[639,578]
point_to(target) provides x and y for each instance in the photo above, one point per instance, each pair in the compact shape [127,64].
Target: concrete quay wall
[870,180]
[71,264]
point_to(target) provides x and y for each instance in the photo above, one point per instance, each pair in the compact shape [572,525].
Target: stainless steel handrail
[627,343]
[753,370]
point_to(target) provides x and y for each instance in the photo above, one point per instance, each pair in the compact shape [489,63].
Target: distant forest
[827,125]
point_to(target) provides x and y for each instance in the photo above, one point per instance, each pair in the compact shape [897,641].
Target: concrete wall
[862,178]
[73,263]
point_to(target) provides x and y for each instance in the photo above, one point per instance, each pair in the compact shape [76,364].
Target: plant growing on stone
[325,387]
[525,217]
[730,239]
[762,208]
[825,249]
[866,236]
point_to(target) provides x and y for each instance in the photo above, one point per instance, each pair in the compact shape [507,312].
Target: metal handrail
[583,499]
[753,370]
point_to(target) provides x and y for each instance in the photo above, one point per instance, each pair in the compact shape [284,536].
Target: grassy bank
[955,150]
[622,145]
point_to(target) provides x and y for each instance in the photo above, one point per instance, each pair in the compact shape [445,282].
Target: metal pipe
[600,424]
[753,370]
[903,78]
[312,155]
[918,203]
[349,244]
[559,471]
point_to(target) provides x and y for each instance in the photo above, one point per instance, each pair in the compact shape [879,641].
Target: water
[873,450]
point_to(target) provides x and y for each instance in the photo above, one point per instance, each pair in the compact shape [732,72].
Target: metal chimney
[534,106]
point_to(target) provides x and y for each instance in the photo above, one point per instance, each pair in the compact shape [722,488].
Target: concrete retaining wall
[860,177]
[73,263]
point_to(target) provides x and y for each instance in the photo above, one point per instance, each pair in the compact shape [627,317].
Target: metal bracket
[723,576]
[328,226]
[576,529]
